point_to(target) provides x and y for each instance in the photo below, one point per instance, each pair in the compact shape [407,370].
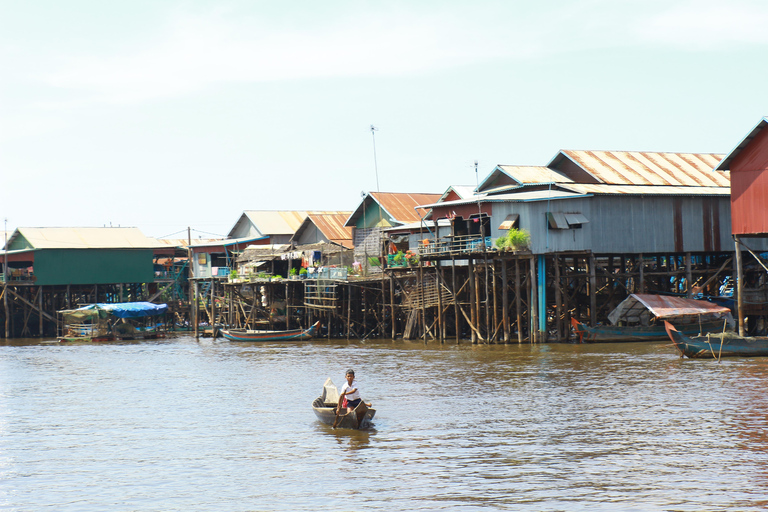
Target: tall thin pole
[375,164]
[5,281]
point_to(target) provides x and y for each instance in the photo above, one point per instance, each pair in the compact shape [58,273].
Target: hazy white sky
[162,115]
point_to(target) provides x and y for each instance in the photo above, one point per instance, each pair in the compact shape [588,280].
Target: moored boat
[639,316]
[257,335]
[113,321]
[324,407]
[717,345]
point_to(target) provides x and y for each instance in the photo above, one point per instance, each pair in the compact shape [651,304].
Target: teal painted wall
[93,266]
[373,214]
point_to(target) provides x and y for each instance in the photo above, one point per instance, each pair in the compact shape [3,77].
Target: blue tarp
[130,309]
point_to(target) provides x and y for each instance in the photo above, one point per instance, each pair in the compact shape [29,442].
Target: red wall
[749,188]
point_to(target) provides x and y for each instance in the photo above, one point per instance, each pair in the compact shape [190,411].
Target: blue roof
[130,309]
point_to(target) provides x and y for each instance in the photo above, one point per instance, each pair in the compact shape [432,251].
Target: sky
[168,115]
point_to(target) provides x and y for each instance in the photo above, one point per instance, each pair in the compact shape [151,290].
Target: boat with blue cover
[113,321]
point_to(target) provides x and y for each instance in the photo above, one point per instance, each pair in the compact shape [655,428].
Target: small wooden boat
[325,409]
[253,335]
[717,345]
[639,316]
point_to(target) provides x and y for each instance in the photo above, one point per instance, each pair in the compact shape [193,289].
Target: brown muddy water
[215,425]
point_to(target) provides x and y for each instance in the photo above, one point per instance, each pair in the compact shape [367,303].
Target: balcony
[454,245]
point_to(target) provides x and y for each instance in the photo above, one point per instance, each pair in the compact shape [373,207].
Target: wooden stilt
[518,301]
[739,285]
[454,291]
[558,299]
[534,302]
[505,300]
[472,297]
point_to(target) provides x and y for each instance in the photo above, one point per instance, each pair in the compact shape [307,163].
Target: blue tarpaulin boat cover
[130,309]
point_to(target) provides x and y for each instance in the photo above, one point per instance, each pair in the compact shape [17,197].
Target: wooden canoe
[253,335]
[324,407]
[717,345]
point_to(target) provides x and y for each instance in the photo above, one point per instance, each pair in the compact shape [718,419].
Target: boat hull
[614,333]
[717,345]
[359,418]
[292,335]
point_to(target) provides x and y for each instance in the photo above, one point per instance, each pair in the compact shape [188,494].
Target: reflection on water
[213,425]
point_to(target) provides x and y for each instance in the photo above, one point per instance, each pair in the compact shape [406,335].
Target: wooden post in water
[641,269]
[592,290]
[440,318]
[392,304]
[688,275]
[505,300]
[518,304]
[472,298]
[533,305]
[739,285]
[194,309]
[558,298]
[495,302]
[40,313]
[455,299]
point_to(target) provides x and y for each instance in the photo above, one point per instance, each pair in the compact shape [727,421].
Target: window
[511,221]
[559,220]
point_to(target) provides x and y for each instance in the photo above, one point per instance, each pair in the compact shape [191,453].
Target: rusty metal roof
[402,206]
[331,225]
[662,306]
[647,168]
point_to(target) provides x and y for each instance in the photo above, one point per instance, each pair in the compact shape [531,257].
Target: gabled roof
[641,168]
[725,163]
[331,225]
[401,207]
[506,177]
[275,222]
[81,238]
[455,192]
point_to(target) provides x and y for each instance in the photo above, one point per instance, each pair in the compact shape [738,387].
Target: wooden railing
[463,244]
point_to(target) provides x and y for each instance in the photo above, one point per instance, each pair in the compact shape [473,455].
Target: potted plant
[303,273]
[294,273]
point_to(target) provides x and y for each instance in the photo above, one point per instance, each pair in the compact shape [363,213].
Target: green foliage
[303,272]
[514,240]
[294,271]
[399,257]
[373,261]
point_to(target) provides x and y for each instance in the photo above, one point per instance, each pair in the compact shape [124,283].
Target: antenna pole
[375,164]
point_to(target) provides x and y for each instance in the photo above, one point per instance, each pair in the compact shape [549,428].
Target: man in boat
[349,397]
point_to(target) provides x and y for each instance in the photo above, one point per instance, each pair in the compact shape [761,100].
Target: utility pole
[375,164]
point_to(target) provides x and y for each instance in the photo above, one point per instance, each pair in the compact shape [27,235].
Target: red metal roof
[331,225]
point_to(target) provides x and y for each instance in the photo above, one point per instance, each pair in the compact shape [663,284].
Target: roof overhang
[725,163]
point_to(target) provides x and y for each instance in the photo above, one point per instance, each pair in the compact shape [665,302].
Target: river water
[214,425]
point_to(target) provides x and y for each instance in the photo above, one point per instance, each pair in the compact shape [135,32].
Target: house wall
[373,214]
[749,188]
[93,266]
[244,228]
[627,224]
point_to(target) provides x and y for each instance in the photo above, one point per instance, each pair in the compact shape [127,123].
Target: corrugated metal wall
[628,224]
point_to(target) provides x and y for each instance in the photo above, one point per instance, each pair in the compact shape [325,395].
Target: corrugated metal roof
[644,190]
[276,222]
[331,225]
[86,238]
[646,168]
[403,206]
[526,174]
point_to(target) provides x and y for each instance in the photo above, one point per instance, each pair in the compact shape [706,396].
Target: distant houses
[599,224]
